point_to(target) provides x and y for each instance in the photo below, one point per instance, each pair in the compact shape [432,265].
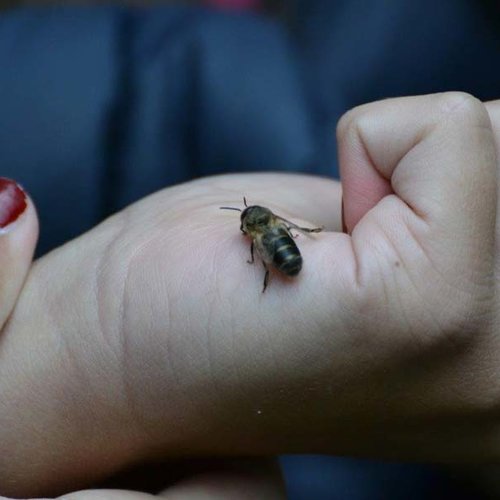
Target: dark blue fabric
[208,94]
[101,106]
[332,478]
[58,81]
[353,52]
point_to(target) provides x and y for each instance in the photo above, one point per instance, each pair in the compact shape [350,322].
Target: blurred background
[102,103]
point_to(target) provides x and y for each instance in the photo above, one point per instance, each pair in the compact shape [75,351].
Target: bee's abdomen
[287,257]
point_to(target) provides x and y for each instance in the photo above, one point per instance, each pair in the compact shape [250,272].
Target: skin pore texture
[149,336]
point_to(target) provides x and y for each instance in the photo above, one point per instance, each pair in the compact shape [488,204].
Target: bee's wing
[263,248]
[291,225]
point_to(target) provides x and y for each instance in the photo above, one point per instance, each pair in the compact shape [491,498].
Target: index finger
[436,154]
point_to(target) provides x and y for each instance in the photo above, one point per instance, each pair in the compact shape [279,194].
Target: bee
[272,238]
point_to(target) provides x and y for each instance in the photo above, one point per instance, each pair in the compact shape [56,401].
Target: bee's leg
[289,229]
[266,277]
[251,255]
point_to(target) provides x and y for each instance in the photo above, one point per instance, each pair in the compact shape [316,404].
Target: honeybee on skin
[271,237]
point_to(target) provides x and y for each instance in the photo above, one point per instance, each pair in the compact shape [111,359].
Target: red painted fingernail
[344,227]
[13,202]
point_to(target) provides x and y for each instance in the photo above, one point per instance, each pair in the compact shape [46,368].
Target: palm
[153,317]
[191,313]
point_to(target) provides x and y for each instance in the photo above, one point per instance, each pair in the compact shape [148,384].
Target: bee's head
[255,218]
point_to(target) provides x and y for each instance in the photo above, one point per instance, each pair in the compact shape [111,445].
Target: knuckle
[465,105]
[349,123]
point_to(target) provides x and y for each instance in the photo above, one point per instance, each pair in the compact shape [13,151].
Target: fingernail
[344,227]
[12,202]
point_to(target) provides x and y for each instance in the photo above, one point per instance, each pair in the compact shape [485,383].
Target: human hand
[220,479]
[81,378]
[18,236]
[153,339]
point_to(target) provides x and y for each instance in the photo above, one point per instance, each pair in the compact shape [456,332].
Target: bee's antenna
[230,208]
[245,201]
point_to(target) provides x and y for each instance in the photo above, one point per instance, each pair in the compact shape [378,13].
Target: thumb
[18,236]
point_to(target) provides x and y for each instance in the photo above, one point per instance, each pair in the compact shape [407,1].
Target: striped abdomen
[286,255]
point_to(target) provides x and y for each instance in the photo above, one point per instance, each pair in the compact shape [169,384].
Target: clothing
[101,106]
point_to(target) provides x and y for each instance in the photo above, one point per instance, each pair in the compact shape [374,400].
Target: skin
[149,337]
